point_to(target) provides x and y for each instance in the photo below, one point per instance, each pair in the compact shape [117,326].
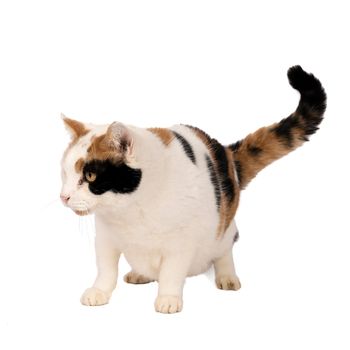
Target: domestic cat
[166,198]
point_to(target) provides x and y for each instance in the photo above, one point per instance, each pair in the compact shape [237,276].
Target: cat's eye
[90,176]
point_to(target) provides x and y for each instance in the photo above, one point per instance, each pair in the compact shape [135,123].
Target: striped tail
[270,143]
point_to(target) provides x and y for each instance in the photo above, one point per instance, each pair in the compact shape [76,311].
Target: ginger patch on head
[102,149]
[77,129]
[79,164]
[115,145]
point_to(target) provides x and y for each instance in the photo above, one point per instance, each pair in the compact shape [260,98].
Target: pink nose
[64,198]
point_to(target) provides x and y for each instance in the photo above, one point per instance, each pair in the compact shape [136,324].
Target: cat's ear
[120,139]
[76,129]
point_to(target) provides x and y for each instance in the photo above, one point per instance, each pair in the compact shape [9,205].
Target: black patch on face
[235,146]
[254,151]
[118,178]
[284,129]
[219,154]
[214,180]
[238,166]
[186,146]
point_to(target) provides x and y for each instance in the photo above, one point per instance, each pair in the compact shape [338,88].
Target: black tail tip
[312,93]
[302,81]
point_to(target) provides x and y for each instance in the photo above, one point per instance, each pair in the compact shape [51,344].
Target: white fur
[166,229]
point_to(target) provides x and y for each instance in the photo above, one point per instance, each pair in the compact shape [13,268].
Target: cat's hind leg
[225,273]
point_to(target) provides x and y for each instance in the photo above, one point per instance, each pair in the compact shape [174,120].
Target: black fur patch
[238,166]
[235,146]
[309,113]
[186,146]
[284,129]
[313,100]
[118,178]
[254,151]
[214,180]
[227,185]
[312,95]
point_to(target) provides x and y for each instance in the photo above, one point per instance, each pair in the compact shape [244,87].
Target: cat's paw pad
[135,278]
[94,297]
[228,282]
[168,304]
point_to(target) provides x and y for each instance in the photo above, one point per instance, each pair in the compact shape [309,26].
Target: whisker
[46,206]
[84,223]
[80,227]
[92,224]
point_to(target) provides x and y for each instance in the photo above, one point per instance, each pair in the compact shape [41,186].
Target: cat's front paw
[168,304]
[94,297]
[227,282]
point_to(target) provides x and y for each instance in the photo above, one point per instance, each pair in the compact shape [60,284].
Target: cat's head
[98,164]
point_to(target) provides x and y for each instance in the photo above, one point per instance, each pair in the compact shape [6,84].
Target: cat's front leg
[107,258]
[173,272]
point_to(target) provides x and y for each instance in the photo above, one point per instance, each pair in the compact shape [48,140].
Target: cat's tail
[270,143]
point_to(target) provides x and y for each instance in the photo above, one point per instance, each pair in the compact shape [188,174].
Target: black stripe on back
[200,131]
[214,180]
[186,146]
[220,156]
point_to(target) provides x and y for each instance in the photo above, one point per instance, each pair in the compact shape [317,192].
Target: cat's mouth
[80,207]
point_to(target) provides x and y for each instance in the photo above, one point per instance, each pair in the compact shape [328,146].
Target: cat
[166,198]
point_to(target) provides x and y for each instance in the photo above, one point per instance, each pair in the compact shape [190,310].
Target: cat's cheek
[90,198]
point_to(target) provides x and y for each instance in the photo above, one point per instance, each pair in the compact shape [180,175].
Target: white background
[219,65]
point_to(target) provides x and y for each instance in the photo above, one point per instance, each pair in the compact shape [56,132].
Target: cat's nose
[65,198]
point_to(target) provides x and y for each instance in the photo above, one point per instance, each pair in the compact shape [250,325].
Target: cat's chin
[82,212]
